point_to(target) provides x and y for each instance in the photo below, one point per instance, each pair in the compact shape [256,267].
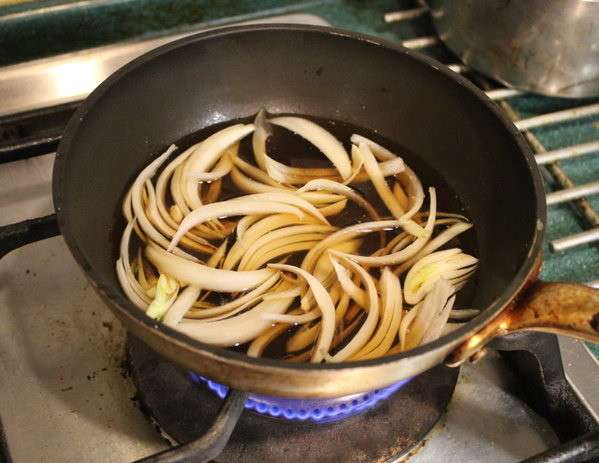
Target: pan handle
[211,444]
[560,308]
[19,234]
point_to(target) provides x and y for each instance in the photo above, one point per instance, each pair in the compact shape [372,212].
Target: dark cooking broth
[294,151]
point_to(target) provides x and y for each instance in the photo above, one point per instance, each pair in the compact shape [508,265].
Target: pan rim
[228,356]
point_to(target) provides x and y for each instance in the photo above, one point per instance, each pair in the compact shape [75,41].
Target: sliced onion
[256,228]
[251,296]
[261,342]
[335,187]
[345,234]
[349,287]
[206,155]
[380,184]
[230,208]
[386,332]
[202,276]
[235,330]
[326,306]
[408,252]
[379,151]
[401,197]
[366,330]
[447,264]
[432,305]
[322,139]
[259,138]
[438,323]
[441,239]
[282,235]
[222,168]
[281,249]
[333,209]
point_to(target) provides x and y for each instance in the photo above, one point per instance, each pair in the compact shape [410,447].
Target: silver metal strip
[580,367]
[568,194]
[578,239]
[558,116]
[405,15]
[568,152]
[71,77]
[420,42]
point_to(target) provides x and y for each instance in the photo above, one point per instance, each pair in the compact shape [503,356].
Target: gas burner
[184,407]
[315,410]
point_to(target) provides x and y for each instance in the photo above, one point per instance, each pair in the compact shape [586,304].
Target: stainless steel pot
[542,46]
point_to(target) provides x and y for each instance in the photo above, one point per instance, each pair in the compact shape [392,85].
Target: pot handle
[560,308]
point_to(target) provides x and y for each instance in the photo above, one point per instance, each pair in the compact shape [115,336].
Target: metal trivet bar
[569,191]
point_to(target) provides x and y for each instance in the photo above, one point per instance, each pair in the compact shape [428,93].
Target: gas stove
[75,387]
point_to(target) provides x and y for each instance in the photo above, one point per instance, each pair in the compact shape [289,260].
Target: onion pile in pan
[220,270]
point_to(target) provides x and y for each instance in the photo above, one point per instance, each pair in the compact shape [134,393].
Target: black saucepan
[440,117]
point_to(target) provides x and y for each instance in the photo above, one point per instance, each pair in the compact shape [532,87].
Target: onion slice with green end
[206,155]
[167,289]
[321,138]
[369,325]
[447,264]
[326,306]
[202,276]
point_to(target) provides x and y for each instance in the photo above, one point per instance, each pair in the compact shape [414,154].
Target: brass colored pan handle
[561,308]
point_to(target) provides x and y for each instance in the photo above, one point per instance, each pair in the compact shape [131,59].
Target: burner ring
[315,410]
